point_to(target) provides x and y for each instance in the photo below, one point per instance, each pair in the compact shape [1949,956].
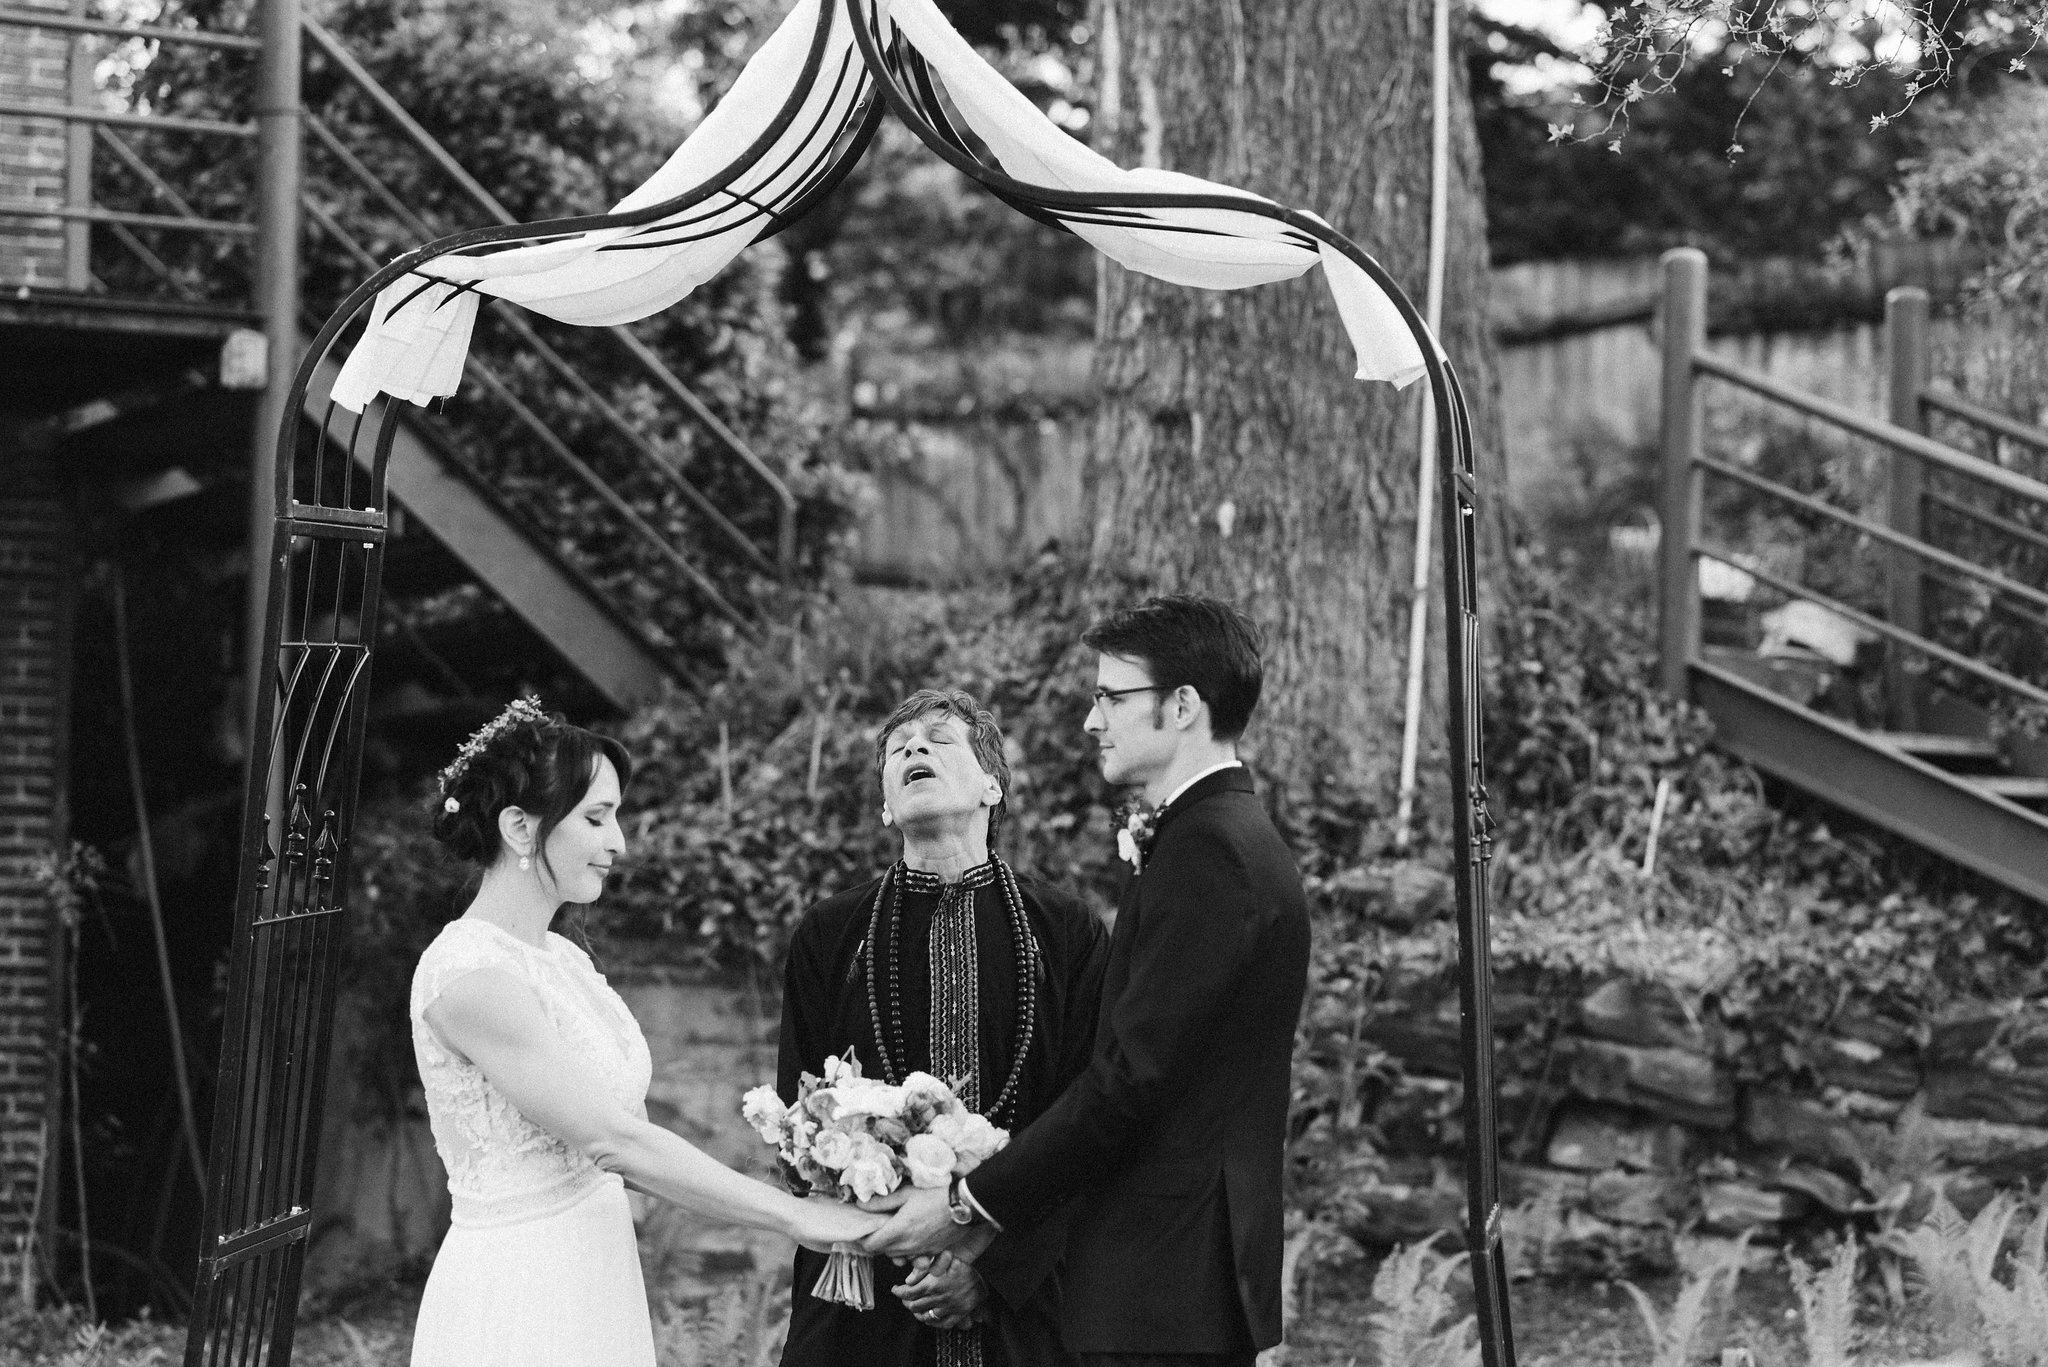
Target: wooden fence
[979,460]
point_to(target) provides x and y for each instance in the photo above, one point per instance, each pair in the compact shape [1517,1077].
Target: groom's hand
[922,1224]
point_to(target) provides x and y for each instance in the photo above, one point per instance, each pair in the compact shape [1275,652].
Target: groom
[1174,1134]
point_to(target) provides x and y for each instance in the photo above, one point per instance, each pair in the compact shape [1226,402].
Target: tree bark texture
[1234,453]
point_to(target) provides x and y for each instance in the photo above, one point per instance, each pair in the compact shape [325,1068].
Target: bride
[536,1077]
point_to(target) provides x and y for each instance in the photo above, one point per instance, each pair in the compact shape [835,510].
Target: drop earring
[887,819]
[525,863]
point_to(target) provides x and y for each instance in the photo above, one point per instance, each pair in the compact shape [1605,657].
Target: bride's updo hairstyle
[526,758]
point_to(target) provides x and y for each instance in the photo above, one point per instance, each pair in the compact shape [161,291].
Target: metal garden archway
[859,59]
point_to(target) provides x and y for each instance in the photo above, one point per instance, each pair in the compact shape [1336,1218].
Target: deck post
[1683,320]
[1905,331]
[78,77]
[278,187]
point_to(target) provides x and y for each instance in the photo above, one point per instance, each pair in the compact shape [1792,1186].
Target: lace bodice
[502,1167]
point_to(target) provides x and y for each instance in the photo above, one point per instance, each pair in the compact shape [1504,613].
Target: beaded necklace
[1024,944]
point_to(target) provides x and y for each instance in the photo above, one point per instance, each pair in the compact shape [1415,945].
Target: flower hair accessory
[519,710]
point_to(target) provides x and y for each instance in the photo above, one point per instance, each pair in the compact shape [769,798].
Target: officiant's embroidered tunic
[919,930]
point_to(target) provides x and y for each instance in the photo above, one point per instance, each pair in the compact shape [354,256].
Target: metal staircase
[1933,728]
[684,522]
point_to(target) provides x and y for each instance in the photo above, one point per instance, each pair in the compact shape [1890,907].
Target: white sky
[1571,24]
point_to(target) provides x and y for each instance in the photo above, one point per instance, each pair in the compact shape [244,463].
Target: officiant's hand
[921,1224]
[944,1292]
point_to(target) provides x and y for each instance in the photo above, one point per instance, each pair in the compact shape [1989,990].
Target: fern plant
[1677,1339]
[1415,1326]
[1827,1306]
[1956,1265]
[739,1326]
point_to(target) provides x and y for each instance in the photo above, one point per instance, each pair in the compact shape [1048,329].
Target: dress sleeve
[455,953]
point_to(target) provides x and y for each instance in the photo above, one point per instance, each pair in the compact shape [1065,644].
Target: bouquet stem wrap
[848,1278]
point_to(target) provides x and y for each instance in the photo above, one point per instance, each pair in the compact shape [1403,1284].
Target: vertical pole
[1905,331]
[1426,453]
[278,173]
[78,160]
[1685,333]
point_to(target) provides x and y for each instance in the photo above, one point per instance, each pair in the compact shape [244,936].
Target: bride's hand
[823,1222]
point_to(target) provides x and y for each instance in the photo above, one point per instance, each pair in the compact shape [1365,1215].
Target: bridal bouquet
[857,1138]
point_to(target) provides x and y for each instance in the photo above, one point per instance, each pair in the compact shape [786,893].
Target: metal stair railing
[1688,468]
[1895,773]
[777,561]
[558,448]
[549,440]
[637,352]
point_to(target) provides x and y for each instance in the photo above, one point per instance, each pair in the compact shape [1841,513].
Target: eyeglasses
[1104,696]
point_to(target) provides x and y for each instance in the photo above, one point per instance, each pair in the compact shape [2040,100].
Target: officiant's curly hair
[1204,643]
[984,737]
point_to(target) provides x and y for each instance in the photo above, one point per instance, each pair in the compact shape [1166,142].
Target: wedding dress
[540,1268]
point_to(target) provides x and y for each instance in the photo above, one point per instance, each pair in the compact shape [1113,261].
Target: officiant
[951,963]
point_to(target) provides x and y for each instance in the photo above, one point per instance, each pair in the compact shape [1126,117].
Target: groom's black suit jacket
[1174,1134]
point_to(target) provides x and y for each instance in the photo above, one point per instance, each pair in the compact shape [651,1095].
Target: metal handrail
[569,374]
[11,16]
[170,123]
[1792,589]
[780,562]
[1900,439]
[643,355]
[1990,419]
[1909,453]
[2019,531]
[1911,545]
[555,446]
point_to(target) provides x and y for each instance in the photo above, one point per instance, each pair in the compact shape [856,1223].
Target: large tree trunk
[1235,455]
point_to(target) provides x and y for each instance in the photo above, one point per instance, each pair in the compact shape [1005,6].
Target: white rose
[764,1110]
[923,1087]
[978,1139]
[950,1128]
[930,1160]
[870,1098]
[872,1172]
[833,1149]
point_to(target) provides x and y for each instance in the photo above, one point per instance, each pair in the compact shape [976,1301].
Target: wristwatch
[963,1214]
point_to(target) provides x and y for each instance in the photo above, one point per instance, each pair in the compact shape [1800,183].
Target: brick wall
[35,612]
[33,68]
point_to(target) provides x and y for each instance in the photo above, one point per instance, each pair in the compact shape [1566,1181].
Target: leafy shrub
[1768,911]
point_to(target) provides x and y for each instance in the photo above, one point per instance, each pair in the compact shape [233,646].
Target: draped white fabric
[420,326]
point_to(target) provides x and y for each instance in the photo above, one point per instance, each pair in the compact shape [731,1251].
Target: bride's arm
[495,1021]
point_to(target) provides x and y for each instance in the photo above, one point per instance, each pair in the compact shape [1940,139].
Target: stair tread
[2012,785]
[1948,747]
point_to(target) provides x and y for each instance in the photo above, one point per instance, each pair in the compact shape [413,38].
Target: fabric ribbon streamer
[420,326]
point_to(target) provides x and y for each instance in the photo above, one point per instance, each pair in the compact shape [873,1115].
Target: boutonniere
[1134,837]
